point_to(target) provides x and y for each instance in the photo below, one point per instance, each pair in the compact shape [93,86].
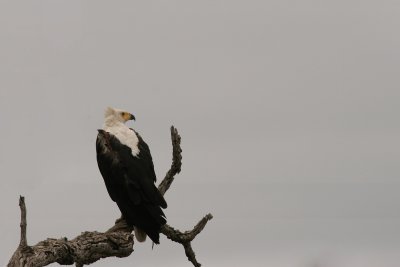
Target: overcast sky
[288,111]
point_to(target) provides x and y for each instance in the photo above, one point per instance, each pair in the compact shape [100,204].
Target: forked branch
[175,235]
[118,241]
[187,237]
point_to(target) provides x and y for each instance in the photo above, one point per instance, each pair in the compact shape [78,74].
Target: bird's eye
[122,114]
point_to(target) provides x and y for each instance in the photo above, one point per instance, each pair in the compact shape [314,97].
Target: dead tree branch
[84,249]
[176,161]
[186,238]
[23,242]
[118,241]
[171,233]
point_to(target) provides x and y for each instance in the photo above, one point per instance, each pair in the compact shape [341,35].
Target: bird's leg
[120,225]
[119,219]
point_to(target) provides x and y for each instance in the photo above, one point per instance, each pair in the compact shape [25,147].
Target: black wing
[130,183]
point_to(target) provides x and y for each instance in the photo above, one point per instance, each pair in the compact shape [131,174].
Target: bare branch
[23,243]
[84,249]
[116,242]
[186,238]
[175,235]
[23,248]
[176,161]
[190,254]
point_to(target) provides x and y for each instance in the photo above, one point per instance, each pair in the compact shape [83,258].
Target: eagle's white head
[114,116]
[114,123]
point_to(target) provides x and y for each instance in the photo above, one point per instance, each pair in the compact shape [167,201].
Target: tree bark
[92,246]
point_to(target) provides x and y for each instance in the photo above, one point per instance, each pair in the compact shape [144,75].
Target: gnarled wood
[84,249]
[176,161]
[118,241]
[187,237]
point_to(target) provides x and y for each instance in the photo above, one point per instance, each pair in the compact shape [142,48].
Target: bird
[126,165]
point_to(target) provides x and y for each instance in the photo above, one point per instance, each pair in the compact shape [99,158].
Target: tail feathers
[140,234]
[146,220]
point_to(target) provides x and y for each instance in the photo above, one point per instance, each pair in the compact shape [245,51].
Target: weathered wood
[118,241]
[176,161]
[84,249]
[23,242]
[187,237]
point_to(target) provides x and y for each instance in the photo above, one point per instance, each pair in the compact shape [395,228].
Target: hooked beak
[132,117]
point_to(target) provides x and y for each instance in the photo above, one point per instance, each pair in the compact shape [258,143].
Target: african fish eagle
[126,165]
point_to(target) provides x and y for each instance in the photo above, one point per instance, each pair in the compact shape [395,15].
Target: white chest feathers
[125,135]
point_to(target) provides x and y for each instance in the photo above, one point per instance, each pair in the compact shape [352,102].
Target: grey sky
[288,111]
